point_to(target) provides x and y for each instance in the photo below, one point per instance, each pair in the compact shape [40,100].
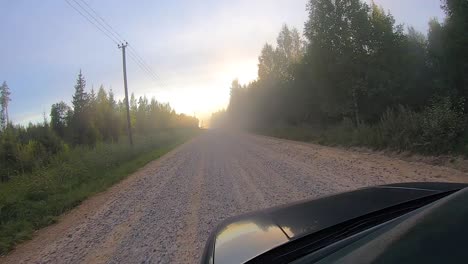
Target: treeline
[358,78]
[92,118]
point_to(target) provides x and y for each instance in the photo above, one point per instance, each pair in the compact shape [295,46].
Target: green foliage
[361,79]
[442,125]
[34,199]
[437,129]
[47,169]
[80,98]
[94,118]
[303,132]
[456,44]
[397,129]
[23,149]
[58,118]
[262,102]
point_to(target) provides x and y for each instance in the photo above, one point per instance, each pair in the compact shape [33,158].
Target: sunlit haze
[216,131]
[196,48]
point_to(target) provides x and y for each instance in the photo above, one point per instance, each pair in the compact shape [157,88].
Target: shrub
[442,125]
[437,129]
[398,129]
[341,134]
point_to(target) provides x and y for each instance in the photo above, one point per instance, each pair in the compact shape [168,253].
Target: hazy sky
[196,47]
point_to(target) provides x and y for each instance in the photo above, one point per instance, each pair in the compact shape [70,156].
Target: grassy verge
[438,129]
[31,201]
[298,133]
[395,139]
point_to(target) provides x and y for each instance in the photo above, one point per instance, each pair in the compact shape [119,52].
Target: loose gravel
[165,212]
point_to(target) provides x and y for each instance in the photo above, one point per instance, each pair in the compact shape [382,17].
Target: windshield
[130,130]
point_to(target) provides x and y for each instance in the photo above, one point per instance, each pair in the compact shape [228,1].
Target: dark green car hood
[242,238]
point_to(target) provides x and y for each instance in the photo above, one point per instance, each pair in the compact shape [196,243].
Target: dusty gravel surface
[165,211]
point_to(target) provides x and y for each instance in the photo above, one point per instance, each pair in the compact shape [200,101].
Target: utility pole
[129,126]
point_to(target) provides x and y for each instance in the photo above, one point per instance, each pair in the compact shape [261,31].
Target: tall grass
[34,200]
[438,129]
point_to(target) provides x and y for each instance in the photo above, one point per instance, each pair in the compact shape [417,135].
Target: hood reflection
[241,241]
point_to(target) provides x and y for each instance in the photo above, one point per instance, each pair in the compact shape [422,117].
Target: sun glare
[206,98]
[210,94]
[245,70]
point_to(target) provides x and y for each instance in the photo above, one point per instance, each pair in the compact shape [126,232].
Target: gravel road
[165,211]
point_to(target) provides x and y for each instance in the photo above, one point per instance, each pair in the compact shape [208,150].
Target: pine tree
[112,101]
[4,102]
[80,98]
[80,124]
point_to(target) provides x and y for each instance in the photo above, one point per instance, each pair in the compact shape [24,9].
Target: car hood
[244,237]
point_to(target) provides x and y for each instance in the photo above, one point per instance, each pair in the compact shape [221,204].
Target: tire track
[187,237]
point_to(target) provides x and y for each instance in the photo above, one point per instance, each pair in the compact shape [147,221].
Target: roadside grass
[31,201]
[374,137]
[439,129]
[304,133]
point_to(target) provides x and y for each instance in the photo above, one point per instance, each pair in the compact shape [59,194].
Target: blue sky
[196,47]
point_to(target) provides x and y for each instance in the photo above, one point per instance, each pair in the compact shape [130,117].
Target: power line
[92,23]
[139,57]
[145,65]
[103,20]
[144,70]
[98,22]
[143,61]
[139,60]
[114,36]
[117,38]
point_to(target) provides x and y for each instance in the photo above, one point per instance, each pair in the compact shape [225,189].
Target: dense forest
[358,78]
[93,118]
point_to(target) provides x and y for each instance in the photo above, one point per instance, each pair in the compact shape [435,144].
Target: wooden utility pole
[129,126]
